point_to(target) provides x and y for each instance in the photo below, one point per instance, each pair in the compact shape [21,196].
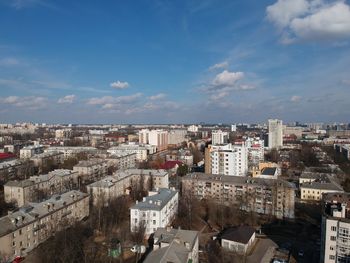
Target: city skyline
[181,62]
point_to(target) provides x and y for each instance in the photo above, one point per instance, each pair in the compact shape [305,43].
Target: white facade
[229,160]
[335,229]
[156,210]
[176,136]
[275,133]
[30,151]
[63,133]
[256,150]
[71,151]
[193,128]
[233,127]
[142,151]
[219,137]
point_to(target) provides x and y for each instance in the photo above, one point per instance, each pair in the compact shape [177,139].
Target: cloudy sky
[174,61]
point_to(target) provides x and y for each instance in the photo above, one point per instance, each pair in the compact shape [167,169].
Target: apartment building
[71,151]
[219,137]
[25,229]
[63,133]
[313,185]
[14,168]
[228,159]
[275,133]
[122,161]
[91,169]
[256,150]
[121,182]
[158,138]
[335,228]
[344,149]
[29,190]
[176,137]
[265,196]
[174,245]
[158,209]
[184,156]
[44,159]
[142,150]
[29,151]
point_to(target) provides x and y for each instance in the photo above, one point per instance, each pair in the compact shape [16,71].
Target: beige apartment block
[122,182]
[91,170]
[265,196]
[29,190]
[25,229]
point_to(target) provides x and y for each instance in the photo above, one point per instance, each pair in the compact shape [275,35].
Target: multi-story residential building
[256,151]
[192,128]
[142,150]
[313,185]
[25,229]
[30,190]
[14,168]
[63,133]
[158,138]
[335,228]
[344,149]
[176,137]
[122,161]
[156,210]
[275,139]
[229,159]
[265,196]
[91,169]
[47,158]
[219,137]
[71,151]
[122,182]
[29,151]
[184,156]
[174,245]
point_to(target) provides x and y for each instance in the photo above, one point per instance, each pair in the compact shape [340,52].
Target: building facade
[264,196]
[156,210]
[275,133]
[219,137]
[25,229]
[91,170]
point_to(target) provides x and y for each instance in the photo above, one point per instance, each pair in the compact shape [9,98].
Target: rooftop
[237,180]
[156,201]
[241,234]
[30,213]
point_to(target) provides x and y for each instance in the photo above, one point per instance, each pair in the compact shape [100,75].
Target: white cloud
[295,98]
[227,78]
[157,96]
[109,102]
[30,102]
[219,65]
[67,99]
[119,84]
[310,19]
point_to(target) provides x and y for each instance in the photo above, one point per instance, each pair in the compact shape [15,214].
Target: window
[334,228]
[331,257]
[20,231]
[154,222]
[333,238]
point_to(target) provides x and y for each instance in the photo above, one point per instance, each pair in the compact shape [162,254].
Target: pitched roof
[241,234]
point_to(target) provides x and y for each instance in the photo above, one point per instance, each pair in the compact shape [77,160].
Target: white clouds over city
[66,99]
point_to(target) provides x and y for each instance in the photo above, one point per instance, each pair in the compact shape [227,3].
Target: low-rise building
[71,151]
[29,151]
[25,229]
[45,159]
[174,245]
[335,228]
[265,196]
[156,210]
[15,168]
[121,182]
[30,190]
[92,169]
[238,239]
[313,185]
[266,170]
[142,150]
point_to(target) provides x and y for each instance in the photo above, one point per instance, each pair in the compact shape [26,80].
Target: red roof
[4,156]
[170,164]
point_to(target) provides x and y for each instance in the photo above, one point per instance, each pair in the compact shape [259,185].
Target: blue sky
[174,61]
